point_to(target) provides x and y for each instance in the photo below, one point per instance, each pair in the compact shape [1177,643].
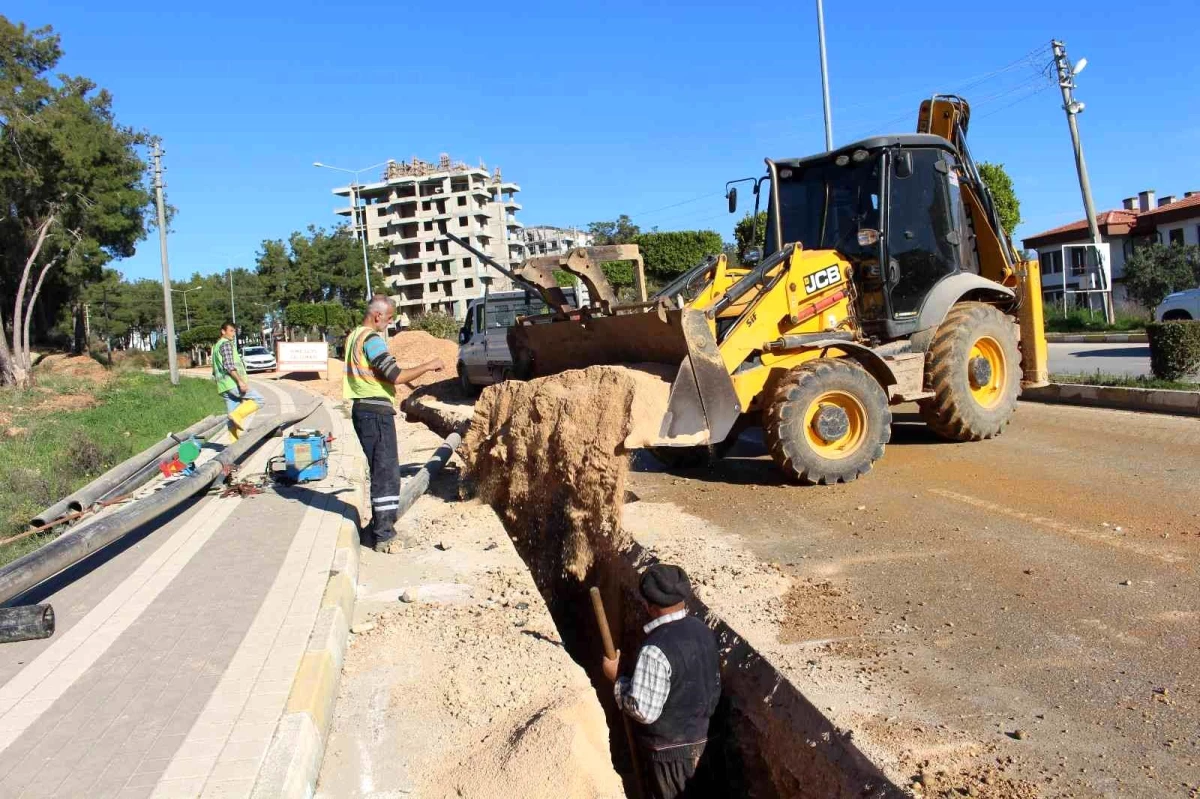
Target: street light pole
[354,214]
[186,313]
[824,76]
[1066,82]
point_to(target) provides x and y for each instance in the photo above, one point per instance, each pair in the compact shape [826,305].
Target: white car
[258,359]
[1180,306]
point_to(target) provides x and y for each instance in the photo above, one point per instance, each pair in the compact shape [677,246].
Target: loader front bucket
[702,407]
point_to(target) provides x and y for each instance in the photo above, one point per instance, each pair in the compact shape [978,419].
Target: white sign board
[302,356]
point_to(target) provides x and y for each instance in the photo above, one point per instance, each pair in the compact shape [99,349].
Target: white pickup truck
[483,354]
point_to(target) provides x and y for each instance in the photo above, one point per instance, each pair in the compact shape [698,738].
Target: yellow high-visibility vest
[359,380]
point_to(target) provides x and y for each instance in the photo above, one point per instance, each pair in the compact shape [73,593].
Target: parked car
[258,359]
[483,354]
[1180,306]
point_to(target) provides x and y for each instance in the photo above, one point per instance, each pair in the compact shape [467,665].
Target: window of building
[431,268]
[429,246]
[428,226]
[425,206]
[381,211]
[466,262]
[446,268]
[468,283]
[1052,263]
[1175,236]
[462,200]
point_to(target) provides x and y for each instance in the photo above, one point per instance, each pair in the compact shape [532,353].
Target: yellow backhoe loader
[887,278]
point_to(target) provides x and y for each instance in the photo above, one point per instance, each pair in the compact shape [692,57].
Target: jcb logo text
[819,280]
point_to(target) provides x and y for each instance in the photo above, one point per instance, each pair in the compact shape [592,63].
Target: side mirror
[752,257]
[904,165]
[732,197]
[462,336]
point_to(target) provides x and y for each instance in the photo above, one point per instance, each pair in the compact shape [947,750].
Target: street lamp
[354,213]
[186,314]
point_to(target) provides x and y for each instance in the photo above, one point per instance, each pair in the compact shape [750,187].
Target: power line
[676,205]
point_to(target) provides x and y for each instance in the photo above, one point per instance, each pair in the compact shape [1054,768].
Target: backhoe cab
[886,279]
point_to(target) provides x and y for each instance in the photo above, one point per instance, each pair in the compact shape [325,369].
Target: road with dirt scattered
[1030,600]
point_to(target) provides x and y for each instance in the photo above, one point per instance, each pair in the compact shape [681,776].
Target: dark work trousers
[377,435]
[676,778]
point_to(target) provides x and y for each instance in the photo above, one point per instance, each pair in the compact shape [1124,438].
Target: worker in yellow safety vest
[370,381]
[241,401]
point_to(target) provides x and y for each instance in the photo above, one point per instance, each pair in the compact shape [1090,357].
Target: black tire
[465,385]
[965,407]
[790,425]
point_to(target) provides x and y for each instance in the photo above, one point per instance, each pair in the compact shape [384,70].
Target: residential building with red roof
[1140,221]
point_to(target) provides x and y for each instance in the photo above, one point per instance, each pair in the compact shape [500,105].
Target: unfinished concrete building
[548,240]
[410,210]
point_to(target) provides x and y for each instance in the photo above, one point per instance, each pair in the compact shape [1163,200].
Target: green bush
[200,336]
[437,323]
[1174,349]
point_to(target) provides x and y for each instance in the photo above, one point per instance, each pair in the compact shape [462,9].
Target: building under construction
[412,208]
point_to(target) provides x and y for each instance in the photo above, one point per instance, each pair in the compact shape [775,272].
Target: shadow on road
[1120,352]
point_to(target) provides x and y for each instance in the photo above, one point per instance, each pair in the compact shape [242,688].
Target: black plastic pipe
[71,547]
[122,475]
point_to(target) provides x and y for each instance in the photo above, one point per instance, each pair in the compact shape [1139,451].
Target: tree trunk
[37,289]
[80,342]
[8,372]
[20,355]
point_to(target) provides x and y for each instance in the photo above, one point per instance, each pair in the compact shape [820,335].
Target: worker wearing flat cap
[675,686]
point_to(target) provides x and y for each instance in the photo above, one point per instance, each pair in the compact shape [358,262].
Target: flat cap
[665,585]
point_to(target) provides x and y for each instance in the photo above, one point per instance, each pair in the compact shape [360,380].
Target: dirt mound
[414,347]
[549,455]
[82,367]
[555,754]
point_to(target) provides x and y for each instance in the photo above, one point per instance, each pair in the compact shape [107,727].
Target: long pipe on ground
[418,484]
[68,549]
[117,477]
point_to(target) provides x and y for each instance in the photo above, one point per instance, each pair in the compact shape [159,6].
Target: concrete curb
[1097,338]
[1148,400]
[293,759]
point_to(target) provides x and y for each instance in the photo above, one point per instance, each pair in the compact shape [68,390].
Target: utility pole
[1072,107]
[232,304]
[824,76]
[168,312]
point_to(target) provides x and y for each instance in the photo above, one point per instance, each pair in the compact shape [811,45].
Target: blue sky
[621,107]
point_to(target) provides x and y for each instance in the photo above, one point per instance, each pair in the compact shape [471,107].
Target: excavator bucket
[702,407]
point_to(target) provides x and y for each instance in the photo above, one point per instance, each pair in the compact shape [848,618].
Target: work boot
[396,544]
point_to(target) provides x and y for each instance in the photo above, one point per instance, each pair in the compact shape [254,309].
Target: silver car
[1178,307]
[258,359]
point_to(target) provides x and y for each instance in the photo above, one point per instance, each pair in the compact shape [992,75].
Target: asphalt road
[1041,582]
[1117,359]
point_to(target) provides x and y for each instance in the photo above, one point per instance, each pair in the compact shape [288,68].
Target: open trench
[766,739]
[541,456]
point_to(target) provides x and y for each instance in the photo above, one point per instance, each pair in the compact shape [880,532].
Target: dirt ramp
[549,455]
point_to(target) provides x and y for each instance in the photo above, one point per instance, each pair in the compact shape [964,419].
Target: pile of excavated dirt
[410,348]
[80,367]
[550,456]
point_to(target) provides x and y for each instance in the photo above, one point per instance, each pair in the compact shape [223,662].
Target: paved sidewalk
[175,652]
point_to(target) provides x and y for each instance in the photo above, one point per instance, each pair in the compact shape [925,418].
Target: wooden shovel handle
[610,651]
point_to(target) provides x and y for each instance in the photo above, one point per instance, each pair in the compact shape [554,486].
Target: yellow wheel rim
[987,385]
[846,444]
